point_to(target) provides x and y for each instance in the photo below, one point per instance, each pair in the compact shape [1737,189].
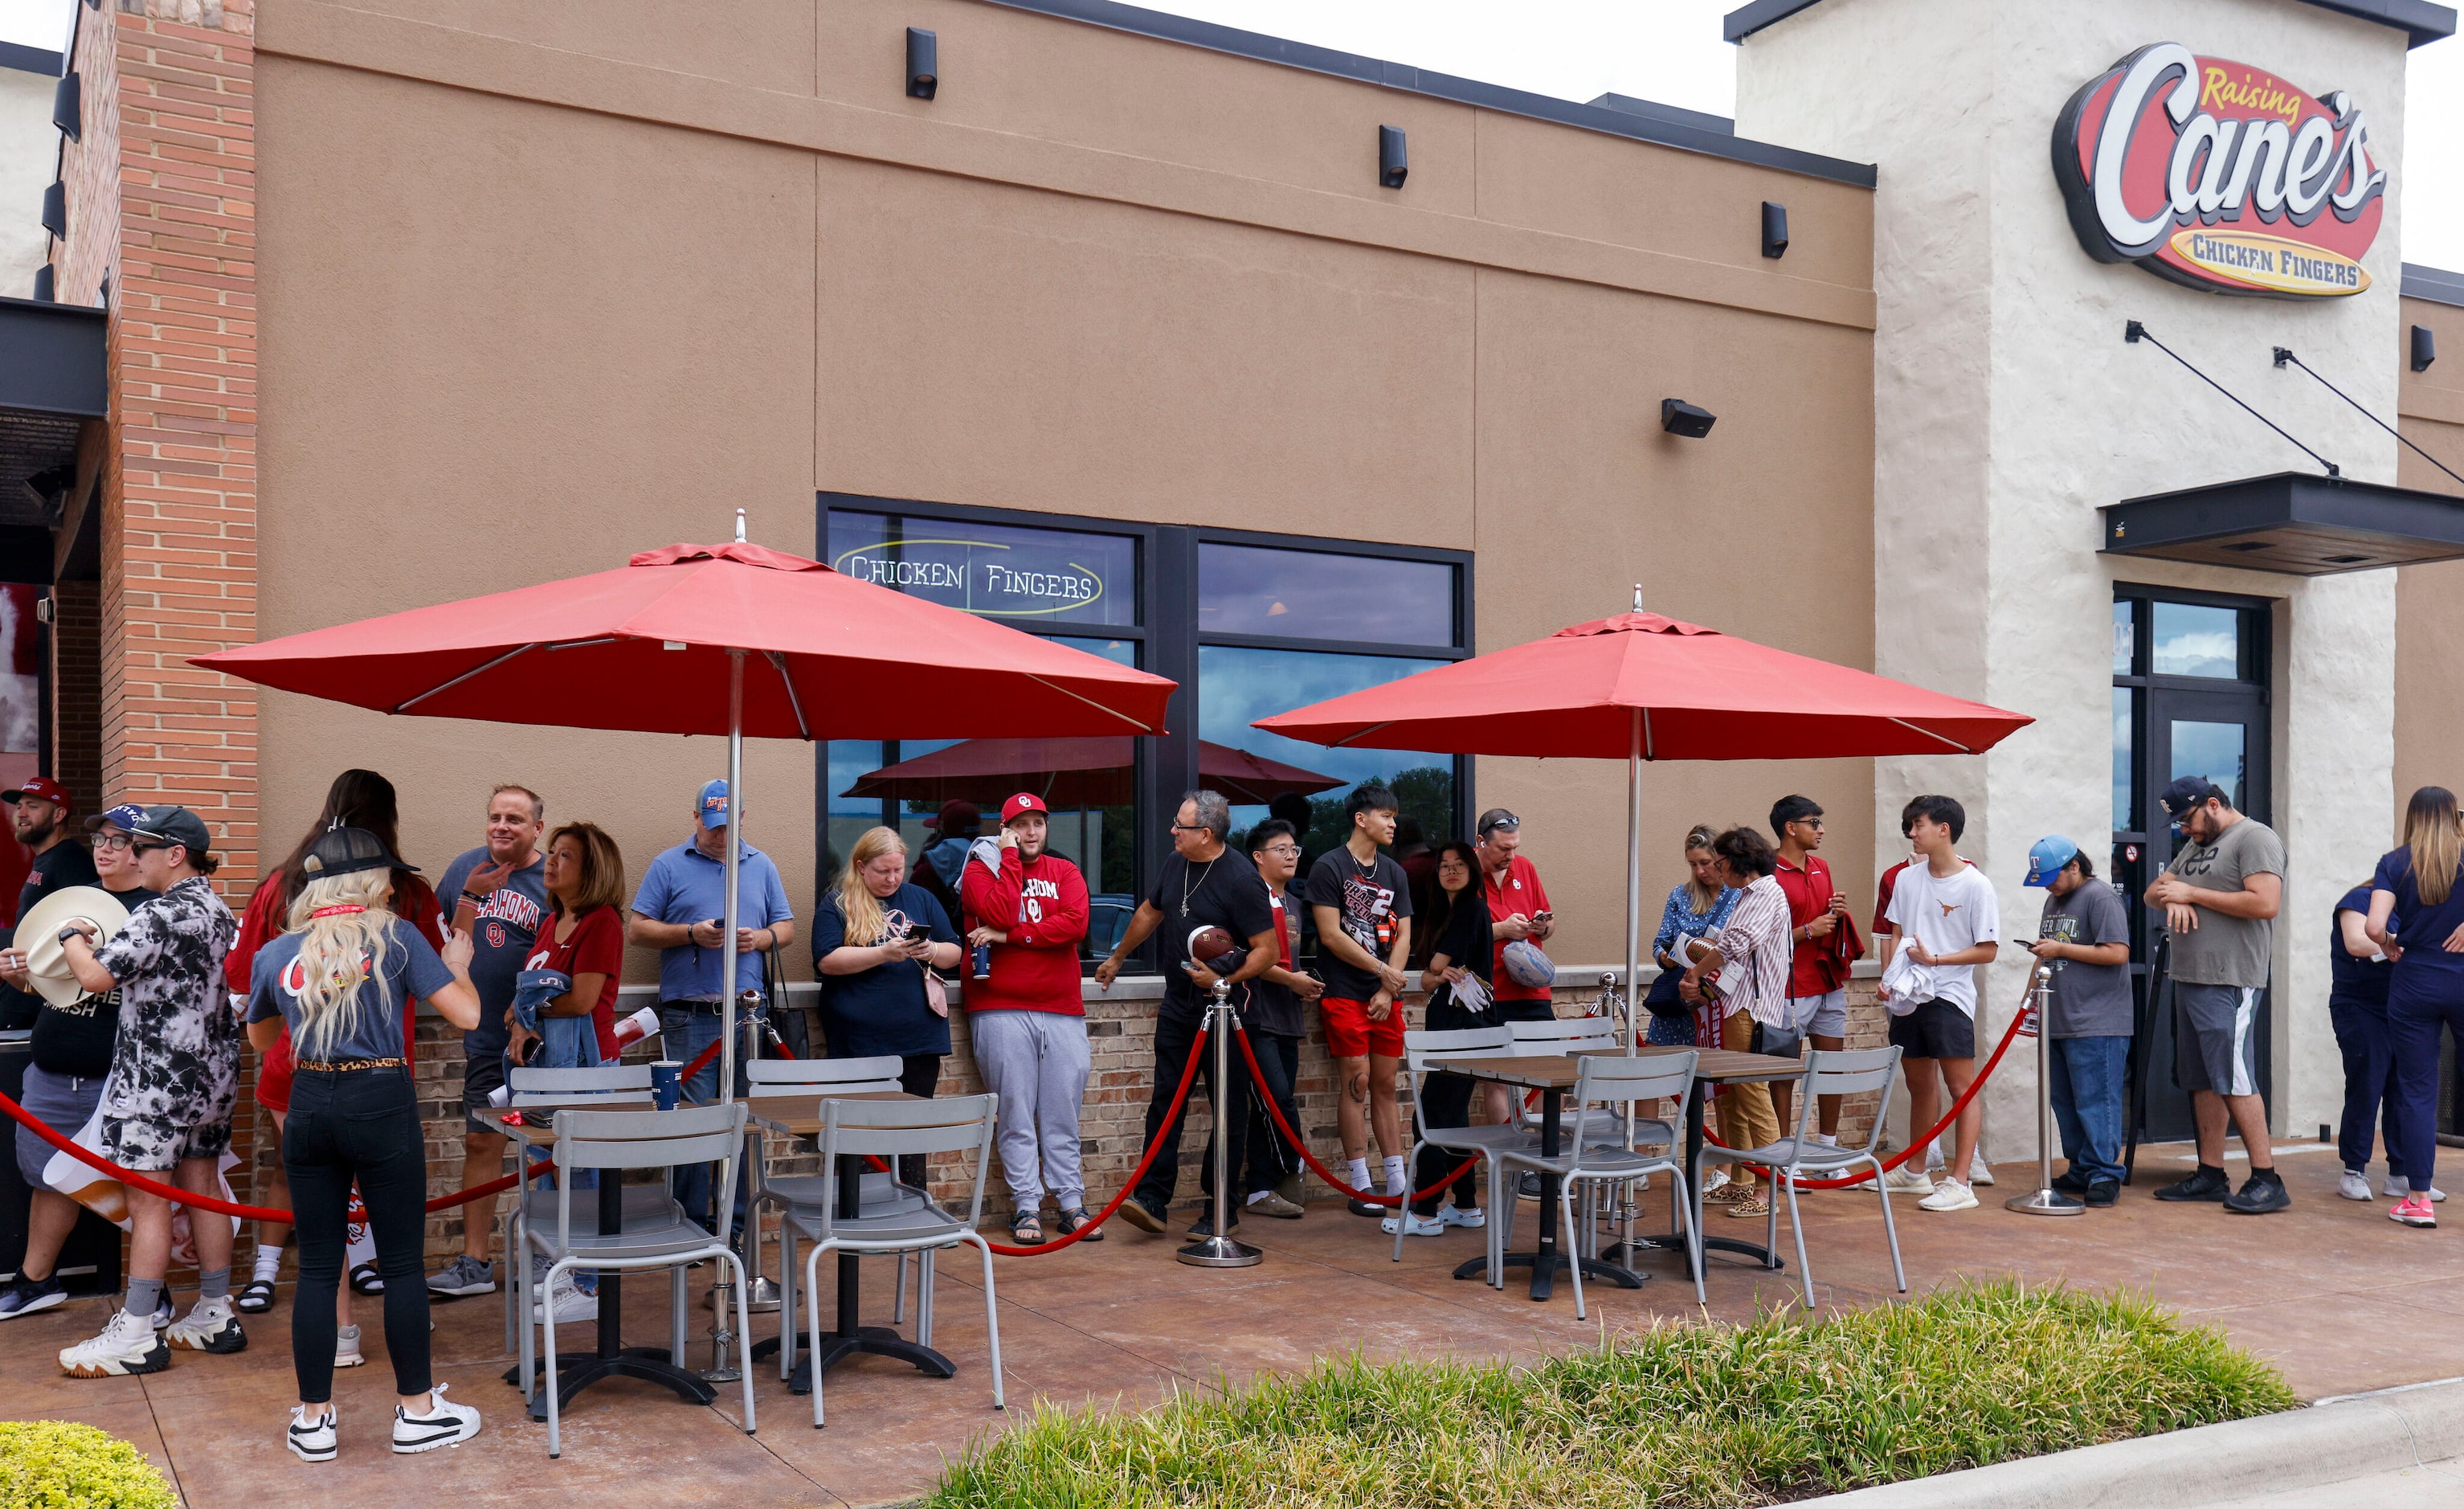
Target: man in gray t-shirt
[2084,938]
[2220,897]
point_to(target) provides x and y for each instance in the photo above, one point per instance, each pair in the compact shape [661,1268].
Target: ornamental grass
[51,1464]
[1678,1416]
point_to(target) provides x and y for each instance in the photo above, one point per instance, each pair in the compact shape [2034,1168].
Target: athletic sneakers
[464,1277]
[1470,1219]
[346,1352]
[1904,1180]
[571,1303]
[2259,1194]
[2397,1188]
[1949,1195]
[445,1423]
[1206,1225]
[2412,1210]
[1979,1172]
[1148,1218]
[311,1441]
[2355,1185]
[1414,1223]
[160,1319]
[126,1345]
[2102,1194]
[24,1296]
[213,1325]
[2209,1183]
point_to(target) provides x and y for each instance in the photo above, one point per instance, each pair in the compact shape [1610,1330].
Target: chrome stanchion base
[723,1340]
[762,1297]
[2045,1202]
[1219,1251]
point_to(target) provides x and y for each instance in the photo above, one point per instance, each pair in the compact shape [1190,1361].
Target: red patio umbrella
[1093,771]
[661,646]
[1641,687]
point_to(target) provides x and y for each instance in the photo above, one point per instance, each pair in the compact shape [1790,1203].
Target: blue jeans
[2369,1084]
[2419,1003]
[2087,1090]
[684,1031]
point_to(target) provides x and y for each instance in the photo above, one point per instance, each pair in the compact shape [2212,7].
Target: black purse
[1663,998]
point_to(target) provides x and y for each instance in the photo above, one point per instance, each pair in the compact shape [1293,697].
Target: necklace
[1187,886]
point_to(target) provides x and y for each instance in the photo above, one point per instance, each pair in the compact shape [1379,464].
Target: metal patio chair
[1849,1071]
[1614,1084]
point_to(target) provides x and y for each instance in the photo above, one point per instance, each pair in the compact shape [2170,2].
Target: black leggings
[363,1124]
[917,1074]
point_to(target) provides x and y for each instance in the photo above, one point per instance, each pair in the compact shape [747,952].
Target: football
[1526,965]
[1206,944]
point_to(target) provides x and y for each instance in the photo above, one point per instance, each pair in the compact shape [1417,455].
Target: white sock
[1256,1195]
[1826,1138]
[1397,1181]
[1356,1173]
[269,1261]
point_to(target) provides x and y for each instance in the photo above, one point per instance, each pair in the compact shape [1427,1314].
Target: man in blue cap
[681,911]
[2086,935]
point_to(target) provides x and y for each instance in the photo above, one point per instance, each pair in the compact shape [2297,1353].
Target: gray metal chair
[613,1142]
[620,1084]
[1614,1084]
[1425,1053]
[772,1078]
[889,1129]
[1568,1037]
[1850,1071]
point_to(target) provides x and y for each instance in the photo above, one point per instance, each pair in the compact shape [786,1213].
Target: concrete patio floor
[2334,1294]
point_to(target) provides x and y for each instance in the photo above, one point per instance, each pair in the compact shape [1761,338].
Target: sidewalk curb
[2327,1443]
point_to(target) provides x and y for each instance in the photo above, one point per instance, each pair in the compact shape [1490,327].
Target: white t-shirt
[1949,915]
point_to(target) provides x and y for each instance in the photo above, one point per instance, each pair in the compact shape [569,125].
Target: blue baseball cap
[2046,860]
[127,817]
[710,805]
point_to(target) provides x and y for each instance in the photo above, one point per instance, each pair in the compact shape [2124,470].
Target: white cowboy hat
[38,937]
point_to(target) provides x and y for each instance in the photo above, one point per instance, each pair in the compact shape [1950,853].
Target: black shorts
[482,1077]
[1523,1011]
[1935,1029]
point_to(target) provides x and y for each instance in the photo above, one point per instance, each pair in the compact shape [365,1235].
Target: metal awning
[53,380]
[2293,522]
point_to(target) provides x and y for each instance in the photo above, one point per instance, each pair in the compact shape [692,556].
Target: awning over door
[53,380]
[2294,523]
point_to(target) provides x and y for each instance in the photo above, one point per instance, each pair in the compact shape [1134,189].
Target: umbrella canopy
[1702,695]
[646,648]
[1092,772]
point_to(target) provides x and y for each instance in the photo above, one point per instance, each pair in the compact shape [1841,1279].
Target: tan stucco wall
[513,338]
[2429,599]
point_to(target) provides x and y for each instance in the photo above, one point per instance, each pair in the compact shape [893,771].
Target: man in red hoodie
[1028,1018]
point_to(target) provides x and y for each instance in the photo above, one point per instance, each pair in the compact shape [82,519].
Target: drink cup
[667,1083]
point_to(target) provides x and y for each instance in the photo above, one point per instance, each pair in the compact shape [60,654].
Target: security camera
[1678,417]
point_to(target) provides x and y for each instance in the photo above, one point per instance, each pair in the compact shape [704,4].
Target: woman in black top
[1458,966]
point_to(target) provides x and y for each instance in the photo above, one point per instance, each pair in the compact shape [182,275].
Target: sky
[1664,49]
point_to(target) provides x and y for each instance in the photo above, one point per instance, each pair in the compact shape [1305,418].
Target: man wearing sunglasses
[1825,943]
[42,808]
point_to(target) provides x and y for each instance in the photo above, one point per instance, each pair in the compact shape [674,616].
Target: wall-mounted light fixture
[65,111]
[2425,348]
[43,285]
[1678,417]
[1774,230]
[56,210]
[923,64]
[1393,164]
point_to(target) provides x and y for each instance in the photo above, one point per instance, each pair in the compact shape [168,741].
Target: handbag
[936,995]
[1663,999]
[788,1024]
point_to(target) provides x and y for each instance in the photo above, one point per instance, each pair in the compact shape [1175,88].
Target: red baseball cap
[1023,802]
[42,788]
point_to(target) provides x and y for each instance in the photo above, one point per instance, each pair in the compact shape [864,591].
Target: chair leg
[923,1297]
[898,1306]
[1689,1220]
[1403,1211]
[512,1233]
[992,1321]
[786,1301]
[1574,1250]
[547,1318]
[1508,1203]
[518,1287]
[676,1303]
[743,1330]
[1890,1233]
[1797,1224]
[813,1324]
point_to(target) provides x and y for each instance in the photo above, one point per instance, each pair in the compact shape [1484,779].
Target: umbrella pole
[722,1293]
[1634,886]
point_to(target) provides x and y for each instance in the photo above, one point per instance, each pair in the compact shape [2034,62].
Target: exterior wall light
[1678,417]
[43,285]
[923,64]
[1394,166]
[66,114]
[2425,348]
[1774,230]
[56,210]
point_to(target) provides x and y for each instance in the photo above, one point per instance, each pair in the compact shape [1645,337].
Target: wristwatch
[67,933]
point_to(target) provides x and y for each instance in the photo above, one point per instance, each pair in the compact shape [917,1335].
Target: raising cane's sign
[2220,176]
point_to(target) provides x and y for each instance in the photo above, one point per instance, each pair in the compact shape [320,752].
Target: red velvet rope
[1286,1127]
[1180,1098]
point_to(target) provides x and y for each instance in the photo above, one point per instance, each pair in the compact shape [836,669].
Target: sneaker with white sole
[464,1277]
[1949,1195]
[26,1296]
[1904,1180]
[2397,1188]
[211,1325]
[163,1314]
[1979,1172]
[1470,1220]
[571,1303]
[2355,1185]
[1714,1179]
[346,1347]
[2413,1211]
[126,1345]
[1414,1223]
[311,1441]
[445,1423]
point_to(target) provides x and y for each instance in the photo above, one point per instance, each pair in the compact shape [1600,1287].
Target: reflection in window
[2126,637]
[1235,686]
[1308,595]
[2125,805]
[2217,751]
[2193,641]
[1025,576]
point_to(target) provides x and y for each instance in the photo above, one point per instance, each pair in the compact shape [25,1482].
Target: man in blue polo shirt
[681,911]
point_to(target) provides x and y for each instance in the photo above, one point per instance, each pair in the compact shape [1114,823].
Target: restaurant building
[1280,372]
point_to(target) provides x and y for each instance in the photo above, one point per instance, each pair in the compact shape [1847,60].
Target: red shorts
[274,1070]
[1350,1033]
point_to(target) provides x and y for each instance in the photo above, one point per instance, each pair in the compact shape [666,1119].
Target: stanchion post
[1221,1250]
[2047,1200]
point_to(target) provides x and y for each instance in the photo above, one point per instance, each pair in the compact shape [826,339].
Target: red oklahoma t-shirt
[596,946]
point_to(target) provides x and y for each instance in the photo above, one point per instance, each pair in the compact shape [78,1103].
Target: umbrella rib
[1092,702]
[804,730]
[1358,733]
[406,706]
[1930,734]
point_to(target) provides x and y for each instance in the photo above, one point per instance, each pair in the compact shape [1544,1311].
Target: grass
[51,1464]
[1678,1416]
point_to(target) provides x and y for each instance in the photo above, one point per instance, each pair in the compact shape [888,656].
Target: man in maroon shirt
[1826,944]
[1028,1018]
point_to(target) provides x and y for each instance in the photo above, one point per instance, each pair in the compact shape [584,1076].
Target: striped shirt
[1756,945]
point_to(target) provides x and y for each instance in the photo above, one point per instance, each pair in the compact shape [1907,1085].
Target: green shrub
[51,1464]
[1678,1416]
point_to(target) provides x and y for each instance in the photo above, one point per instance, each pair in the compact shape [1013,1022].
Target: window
[1247,624]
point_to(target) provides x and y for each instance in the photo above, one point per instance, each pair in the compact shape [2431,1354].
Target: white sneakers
[571,1305]
[445,1423]
[126,1345]
[1906,1179]
[2355,1185]
[1979,1172]
[1949,1195]
[311,1440]
[211,1325]
[2395,1189]
[346,1349]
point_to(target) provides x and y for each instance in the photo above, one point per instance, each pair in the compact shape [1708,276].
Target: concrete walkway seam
[2209,1464]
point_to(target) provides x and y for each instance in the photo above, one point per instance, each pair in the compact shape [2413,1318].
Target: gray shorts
[2219,1042]
[59,1102]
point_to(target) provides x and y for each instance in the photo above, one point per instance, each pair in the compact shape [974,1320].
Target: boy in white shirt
[1944,920]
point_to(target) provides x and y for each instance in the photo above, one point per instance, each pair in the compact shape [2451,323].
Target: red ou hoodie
[1042,905]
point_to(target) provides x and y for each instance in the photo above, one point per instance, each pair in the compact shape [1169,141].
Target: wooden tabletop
[1558,1073]
[797,1115]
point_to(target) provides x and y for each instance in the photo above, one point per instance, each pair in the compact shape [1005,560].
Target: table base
[648,1364]
[837,1346]
[1544,1275]
[1763,1256]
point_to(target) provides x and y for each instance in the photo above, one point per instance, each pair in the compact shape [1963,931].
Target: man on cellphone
[1944,921]
[1518,908]
[1361,901]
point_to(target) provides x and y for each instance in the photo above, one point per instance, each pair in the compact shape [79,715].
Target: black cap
[2189,792]
[347,850]
[166,826]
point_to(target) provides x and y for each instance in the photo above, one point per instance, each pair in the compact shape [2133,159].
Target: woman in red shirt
[583,936]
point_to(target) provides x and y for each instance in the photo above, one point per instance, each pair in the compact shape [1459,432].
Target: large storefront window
[1247,624]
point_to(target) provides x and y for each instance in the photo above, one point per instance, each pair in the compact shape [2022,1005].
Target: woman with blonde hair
[581,944]
[2418,895]
[876,939]
[338,979]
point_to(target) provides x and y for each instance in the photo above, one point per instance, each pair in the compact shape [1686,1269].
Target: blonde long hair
[338,953]
[1702,836]
[862,909]
[2431,831]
